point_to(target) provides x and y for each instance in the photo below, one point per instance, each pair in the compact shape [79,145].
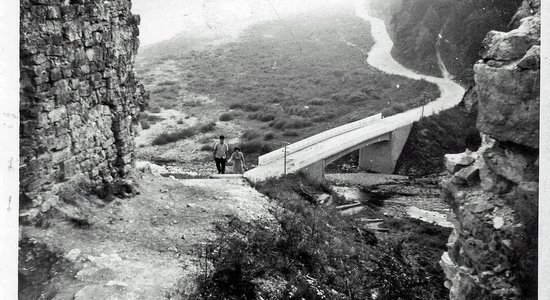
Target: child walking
[238,161]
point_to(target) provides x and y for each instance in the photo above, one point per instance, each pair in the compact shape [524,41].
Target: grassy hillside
[287,78]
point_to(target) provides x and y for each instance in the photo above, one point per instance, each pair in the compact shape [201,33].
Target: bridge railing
[280,153]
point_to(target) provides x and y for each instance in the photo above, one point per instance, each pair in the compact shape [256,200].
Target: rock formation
[492,253]
[79,96]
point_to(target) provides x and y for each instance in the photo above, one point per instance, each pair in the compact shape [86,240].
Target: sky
[163,19]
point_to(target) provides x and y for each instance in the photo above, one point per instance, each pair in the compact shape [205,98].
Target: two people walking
[221,151]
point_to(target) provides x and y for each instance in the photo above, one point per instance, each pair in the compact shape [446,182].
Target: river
[380,58]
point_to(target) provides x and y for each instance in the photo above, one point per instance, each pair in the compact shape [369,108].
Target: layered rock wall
[79,96]
[492,253]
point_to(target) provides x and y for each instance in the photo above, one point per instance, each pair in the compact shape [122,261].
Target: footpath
[143,247]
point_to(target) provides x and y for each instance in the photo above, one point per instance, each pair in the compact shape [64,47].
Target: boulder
[469,174]
[455,162]
[506,46]
[508,104]
[531,59]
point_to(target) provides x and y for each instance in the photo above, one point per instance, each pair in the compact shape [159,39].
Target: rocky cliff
[79,96]
[492,253]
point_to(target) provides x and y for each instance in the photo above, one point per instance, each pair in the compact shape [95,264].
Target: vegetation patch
[255,147]
[251,134]
[313,252]
[144,124]
[155,109]
[166,138]
[225,117]
[208,127]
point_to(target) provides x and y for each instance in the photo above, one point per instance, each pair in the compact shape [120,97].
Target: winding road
[280,161]
[380,58]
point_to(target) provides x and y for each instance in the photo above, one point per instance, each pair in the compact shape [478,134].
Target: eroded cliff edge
[492,253]
[79,97]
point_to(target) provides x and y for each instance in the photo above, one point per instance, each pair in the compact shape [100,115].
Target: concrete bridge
[379,141]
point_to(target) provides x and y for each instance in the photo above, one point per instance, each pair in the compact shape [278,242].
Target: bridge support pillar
[315,172]
[382,157]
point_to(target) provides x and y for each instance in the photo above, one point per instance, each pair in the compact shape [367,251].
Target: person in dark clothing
[220,154]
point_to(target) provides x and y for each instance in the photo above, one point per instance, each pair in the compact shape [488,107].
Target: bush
[252,106]
[155,109]
[166,138]
[144,124]
[207,127]
[251,134]
[153,119]
[317,101]
[235,105]
[278,123]
[264,116]
[297,123]
[226,117]
[395,109]
[323,117]
[167,82]
[269,136]
[292,133]
[357,97]
[167,104]
[192,103]
[255,147]
[207,148]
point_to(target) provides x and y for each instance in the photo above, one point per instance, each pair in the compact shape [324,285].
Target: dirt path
[143,247]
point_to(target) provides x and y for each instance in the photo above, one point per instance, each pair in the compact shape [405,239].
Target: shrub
[167,82]
[252,107]
[357,97]
[323,117]
[207,127]
[317,101]
[167,104]
[297,123]
[192,103]
[153,119]
[291,133]
[269,136]
[207,148]
[166,138]
[394,109]
[278,123]
[144,124]
[263,116]
[226,117]
[155,109]
[251,134]
[255,147]
[339,97]
[142,115]
[235,105]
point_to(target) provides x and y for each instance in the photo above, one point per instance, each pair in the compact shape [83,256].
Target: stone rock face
[508,84]
[79,95]
[492,252]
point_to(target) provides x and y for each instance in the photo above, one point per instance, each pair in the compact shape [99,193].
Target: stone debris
[455,162]
[73,254]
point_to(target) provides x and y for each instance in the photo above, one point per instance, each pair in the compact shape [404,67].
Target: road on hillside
[379,57]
